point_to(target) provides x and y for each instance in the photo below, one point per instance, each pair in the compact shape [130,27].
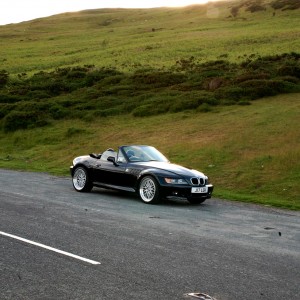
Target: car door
[114,174]
[126,178]
[111,173]
[103,170]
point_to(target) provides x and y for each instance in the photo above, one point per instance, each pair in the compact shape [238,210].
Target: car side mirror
[112,159]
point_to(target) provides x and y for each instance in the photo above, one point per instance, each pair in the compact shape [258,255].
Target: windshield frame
[142,153]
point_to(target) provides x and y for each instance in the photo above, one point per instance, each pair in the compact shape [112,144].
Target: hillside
[79,82]
[128,39]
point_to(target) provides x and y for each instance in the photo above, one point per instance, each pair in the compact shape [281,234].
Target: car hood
[78,159]
[176,169]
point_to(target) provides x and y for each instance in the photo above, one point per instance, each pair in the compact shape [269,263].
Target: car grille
[197,181]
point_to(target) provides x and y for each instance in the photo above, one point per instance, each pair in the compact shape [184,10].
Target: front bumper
[185,192]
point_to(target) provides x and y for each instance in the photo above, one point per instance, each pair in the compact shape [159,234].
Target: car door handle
[97,166]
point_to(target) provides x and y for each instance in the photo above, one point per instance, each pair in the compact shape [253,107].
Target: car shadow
[128,196]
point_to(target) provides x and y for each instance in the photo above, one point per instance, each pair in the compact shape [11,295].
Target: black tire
[80,180]
[196,200]
[149,190]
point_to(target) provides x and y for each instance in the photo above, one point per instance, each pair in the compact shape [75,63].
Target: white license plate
[200,190]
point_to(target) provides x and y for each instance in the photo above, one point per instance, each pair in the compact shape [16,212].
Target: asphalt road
[225,249]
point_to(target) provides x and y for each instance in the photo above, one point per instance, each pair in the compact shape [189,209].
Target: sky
[15,11]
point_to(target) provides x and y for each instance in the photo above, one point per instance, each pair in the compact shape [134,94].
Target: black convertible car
[140,169]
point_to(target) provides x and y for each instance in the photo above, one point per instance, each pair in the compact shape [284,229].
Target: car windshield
[143,154]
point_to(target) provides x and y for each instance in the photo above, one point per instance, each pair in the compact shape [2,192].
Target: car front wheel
[80,180]
[149,190]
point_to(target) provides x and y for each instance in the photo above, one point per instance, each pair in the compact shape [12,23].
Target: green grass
[128,38]
[155,81]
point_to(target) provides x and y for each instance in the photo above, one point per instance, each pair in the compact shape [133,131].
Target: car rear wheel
[80,180]
[196,200]
[149,190]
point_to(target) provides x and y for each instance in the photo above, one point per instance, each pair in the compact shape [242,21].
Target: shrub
[57,111]
[75,74]
[204,108]
[233,93]
[22,120]
[189,85]
[244,102]
[285,4]
[6,98]
[289,70]
[5,109]
[35,95]
[108,112]
[291,79]
[252,75]
[40,107]
[157,79]
[97,75]
[4,76]
[55,88]
[112,80]
[212,100]
[255,7]
[254,89]
[185,104]
[149,110]
[192,101]
[143,111]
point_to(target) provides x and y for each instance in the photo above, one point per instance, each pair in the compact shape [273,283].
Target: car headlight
[207,180]
[175,181]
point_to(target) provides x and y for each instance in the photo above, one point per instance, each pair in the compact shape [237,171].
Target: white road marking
[50,248]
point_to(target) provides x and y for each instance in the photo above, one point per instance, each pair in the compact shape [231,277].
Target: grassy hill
[181,79]
[128,38]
